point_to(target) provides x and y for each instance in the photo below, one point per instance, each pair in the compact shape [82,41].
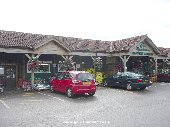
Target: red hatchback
[74,82]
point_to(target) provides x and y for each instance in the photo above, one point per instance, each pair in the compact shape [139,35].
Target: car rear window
[84,77]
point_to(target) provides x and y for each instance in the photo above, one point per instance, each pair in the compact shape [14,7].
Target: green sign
[142,47]
[142,53]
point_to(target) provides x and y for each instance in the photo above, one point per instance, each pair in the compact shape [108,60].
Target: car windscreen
[131,74]
[117,75]
[84,77]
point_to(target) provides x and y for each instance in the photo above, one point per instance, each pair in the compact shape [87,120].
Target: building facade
[138,54]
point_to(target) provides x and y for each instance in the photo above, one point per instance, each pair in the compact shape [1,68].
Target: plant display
[33,63]
[99,75]
[67,65]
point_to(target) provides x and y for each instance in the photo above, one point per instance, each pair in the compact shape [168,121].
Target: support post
[156,70]
[68,59]
[95,68]
[94,63]
[32,72]
[156,66]
[124,59]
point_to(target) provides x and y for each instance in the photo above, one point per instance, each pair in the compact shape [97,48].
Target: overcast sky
[106,20]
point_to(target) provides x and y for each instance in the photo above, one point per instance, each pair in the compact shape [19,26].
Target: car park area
[109,107]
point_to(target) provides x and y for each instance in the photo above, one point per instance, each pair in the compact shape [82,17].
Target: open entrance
[141,64]
[8,76]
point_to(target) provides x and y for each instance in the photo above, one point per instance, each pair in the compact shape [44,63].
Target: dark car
[74,82]
[128,80]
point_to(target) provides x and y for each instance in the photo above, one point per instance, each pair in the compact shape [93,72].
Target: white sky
[106,20]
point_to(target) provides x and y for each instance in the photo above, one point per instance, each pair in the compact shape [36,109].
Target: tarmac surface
[109,107]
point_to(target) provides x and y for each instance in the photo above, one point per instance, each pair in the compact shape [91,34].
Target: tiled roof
[164,51]
[126,44]
[22,40]
[78,44]
[28,40]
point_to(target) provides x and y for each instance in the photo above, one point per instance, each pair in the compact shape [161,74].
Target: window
[43,68]
[117,75]
[67,76]
[60,76]
[1,70]
[84,77]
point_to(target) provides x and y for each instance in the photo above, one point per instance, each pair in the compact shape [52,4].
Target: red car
[74,82]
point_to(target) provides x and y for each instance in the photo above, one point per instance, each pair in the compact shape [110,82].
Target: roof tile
[29,40]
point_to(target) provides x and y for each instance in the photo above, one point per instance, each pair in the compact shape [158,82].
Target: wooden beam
[156,65]
[23,68]
[32,74]
[64,57]
[15,50]
[16,66]
[29,57]
[124,59]
[88,54]
[67,57]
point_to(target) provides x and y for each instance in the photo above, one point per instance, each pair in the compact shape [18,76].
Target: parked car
[41,87]
[128,80]
[41,84]
[165,77]
[74,82]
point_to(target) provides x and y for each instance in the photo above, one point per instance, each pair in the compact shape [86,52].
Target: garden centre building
[138,54]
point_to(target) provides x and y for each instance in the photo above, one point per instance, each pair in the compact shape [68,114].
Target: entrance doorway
[8,76]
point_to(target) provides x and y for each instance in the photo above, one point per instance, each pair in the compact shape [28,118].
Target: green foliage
[67,65]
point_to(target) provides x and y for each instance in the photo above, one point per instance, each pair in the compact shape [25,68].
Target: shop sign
[47,62]
[142,53]
[142,49]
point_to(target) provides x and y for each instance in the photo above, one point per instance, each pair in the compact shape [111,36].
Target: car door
[116,79]
[57,83]
[113,80]
[121,82]
[65,83]
[109,80]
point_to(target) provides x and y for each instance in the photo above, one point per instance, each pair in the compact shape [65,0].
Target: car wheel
[129,87]
[69,93]
[91,94]
[105,83]
[142,88]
